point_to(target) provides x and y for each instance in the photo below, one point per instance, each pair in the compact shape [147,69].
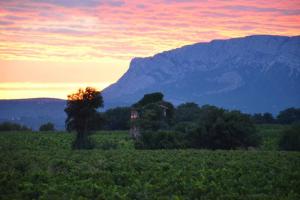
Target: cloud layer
[91,29]
[111,32]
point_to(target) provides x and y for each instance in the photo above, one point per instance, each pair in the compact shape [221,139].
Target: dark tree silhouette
[10,126]
[81,110]
[117,118]
[289,116]
[149,98]
[47,127]
[187,112]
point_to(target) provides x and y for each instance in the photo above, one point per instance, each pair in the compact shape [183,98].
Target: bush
[187,112]
[47,127]
[289,116]
[117,118]
[290,140]
[228,130]
[216,129]
[185,127]
[9,126]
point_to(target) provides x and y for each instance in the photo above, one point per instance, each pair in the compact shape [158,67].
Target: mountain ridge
[232,56]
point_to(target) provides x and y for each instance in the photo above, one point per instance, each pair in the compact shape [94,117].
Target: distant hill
[259,73]
[34,112]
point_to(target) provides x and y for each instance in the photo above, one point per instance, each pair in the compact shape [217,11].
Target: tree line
[119,118]
[161,125]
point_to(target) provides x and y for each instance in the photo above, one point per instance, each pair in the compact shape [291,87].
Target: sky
[50,48]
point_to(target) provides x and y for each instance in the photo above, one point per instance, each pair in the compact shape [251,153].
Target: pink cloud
[129,28]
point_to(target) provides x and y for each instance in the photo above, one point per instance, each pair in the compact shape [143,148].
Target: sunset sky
[49,48]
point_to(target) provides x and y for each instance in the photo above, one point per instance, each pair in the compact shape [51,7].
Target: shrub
[224,130]
[290,140]
[185,127]
[9,126]
[47,127]
[187,112]
[216,129]
[289,116]
[117,118]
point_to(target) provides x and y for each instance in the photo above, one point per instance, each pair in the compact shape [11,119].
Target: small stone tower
[134,129]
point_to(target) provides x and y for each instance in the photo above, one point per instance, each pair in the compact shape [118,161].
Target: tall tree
[187,112]
[117,118]
[154,112]
[81,110]
[289,116]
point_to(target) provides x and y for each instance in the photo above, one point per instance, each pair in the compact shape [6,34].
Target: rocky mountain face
[258,73]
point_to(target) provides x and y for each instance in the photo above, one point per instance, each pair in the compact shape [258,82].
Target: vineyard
[42,166]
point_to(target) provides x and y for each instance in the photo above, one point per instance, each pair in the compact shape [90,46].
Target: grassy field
[43,166]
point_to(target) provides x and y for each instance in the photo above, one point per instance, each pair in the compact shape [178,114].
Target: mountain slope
[255,74]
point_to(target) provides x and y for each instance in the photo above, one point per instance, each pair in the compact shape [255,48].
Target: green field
[43,166]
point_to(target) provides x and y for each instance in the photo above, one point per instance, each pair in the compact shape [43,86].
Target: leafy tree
[187,112]
[155,113]
[97,122]
[117,118]
[81,109]
[151,117]
[220,129]
[10,126]
[215,128]
[149,98]
[290,139]
[289,116]
[47,127]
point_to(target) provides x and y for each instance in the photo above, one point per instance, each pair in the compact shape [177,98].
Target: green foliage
[185,127]
[290,139]
[47,127]
[42,166]
[149,99]
[117,118]
[154,113]
[187,112]
[81,111]
[151,117]
[10,126]
[213,128]
[219,129]
[97,122]
[289,116]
